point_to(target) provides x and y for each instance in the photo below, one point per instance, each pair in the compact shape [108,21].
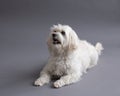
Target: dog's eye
[63,32]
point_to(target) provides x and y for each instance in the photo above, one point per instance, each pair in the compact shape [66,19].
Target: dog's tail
[99,48]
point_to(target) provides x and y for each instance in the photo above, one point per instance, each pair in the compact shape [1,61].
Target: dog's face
[62,37]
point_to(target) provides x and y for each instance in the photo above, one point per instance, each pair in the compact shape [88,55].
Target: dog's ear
[73,41]
[49,45]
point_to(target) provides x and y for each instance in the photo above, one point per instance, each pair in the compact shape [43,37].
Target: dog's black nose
[54,35]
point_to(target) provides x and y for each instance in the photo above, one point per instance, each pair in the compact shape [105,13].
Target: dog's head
[62,38]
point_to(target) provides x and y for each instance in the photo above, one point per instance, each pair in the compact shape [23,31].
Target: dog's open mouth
[56,41]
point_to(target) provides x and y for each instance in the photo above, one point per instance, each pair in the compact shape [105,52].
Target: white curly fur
[69,59]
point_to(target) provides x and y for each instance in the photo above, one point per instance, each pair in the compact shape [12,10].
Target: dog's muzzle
[55,39]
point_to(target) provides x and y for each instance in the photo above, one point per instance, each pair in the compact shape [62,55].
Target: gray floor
[23,52]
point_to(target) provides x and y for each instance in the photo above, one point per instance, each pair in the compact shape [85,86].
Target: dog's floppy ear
[49,45]
[73,41]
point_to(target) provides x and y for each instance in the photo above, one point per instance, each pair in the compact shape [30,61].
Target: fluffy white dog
[70,57]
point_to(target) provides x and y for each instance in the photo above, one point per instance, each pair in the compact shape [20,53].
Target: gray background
[24,27]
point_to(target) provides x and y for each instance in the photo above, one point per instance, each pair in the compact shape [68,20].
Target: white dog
[70,57]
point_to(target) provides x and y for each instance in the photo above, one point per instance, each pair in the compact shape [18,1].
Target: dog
[69,58]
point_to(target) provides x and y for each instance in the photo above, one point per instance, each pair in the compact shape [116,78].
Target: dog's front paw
[58,84]
[39,82]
